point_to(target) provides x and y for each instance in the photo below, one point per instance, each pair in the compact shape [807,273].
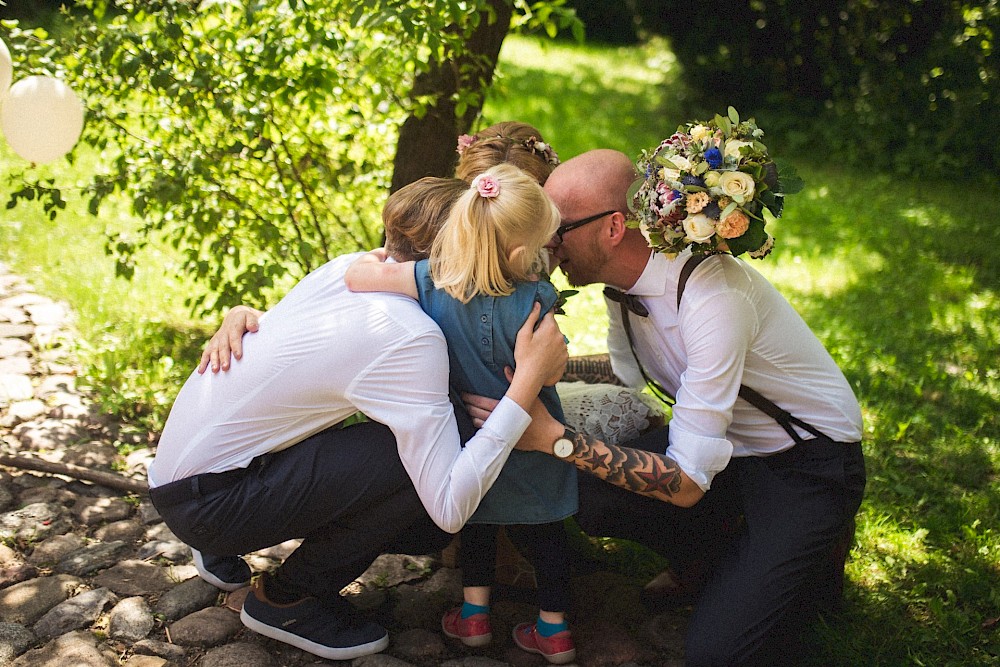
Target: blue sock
[549,629]
[469,609]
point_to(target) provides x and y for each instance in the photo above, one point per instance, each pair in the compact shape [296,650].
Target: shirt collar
[657,275]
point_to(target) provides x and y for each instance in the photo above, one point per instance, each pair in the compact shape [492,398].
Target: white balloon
[6,69]
[42,118]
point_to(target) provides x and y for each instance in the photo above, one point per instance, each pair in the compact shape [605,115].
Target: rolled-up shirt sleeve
[407,390]
[700,457]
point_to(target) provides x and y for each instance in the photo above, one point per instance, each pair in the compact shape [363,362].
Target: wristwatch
[564,446]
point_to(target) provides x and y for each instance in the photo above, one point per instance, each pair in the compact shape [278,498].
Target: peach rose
[734,225]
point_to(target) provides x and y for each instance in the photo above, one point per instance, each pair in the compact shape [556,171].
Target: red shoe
[557,649]
[472,631]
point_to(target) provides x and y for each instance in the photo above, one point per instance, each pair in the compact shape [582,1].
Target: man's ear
[616,228]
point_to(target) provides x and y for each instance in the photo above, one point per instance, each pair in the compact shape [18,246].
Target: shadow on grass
[916,329]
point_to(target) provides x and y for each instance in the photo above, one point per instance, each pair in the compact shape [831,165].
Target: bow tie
[629,301]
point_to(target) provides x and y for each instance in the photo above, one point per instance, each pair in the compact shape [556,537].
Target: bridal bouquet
[707,186]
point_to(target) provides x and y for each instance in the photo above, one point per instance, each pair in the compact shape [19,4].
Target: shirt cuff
[508,421]
[700,457]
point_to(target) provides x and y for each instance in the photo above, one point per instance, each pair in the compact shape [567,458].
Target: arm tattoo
[637,470]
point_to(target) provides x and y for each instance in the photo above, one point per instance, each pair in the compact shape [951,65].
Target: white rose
[737,185]
[700,132]
[699,227]
[733,148]
[681,163]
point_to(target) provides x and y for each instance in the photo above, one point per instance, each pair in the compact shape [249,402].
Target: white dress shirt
[733,327]
[322,354]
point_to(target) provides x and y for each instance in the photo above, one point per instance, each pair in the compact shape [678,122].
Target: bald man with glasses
[762,496]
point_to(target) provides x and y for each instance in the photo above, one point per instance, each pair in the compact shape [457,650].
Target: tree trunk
[426,145]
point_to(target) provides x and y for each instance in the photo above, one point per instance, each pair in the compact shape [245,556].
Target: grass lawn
[899,278]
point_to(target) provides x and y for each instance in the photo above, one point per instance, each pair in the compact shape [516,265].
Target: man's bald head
[590,182]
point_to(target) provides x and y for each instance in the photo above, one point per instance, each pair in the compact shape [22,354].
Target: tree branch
[108,479]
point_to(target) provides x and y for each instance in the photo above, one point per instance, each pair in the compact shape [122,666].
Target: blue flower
[713,156]
[693,180]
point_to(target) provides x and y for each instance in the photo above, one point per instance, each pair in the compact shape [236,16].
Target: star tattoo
[664,480]
[597,461]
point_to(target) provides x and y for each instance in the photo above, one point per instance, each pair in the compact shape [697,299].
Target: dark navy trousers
[767,530]
[343,491]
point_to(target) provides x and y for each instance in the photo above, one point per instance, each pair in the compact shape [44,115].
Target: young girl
[479,286]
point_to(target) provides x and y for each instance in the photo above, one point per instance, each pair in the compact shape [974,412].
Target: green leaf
[632,190]
[789,181]
[729,209]
[734,116]
[723,124]
[752,239]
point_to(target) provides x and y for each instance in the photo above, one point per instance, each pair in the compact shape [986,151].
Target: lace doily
[607,412]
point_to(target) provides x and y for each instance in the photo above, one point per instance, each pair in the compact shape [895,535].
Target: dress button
[486,341]
[483,318]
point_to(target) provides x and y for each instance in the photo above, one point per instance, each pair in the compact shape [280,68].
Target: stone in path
[74,614]
[79,649]
[205,628]
[241,654]
[131,620]
[28,601]
[15,639]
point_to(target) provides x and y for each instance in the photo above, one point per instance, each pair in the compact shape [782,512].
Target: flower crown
[531,143]
[707,187]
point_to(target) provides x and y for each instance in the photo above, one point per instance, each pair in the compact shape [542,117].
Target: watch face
[563,448]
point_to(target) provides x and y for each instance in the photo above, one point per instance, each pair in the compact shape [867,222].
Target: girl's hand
[228,340]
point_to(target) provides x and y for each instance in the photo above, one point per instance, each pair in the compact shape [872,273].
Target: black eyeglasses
[562,229]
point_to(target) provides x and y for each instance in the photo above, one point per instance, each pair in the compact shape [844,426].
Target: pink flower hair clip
[486,185]
[465,141]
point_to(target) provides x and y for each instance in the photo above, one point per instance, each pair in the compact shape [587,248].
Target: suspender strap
[686,271]
[785,419]
[655,387]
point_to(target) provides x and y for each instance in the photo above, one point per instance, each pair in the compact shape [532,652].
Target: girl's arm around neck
[371,273]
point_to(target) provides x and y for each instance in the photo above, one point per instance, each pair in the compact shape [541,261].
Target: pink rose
[486,185]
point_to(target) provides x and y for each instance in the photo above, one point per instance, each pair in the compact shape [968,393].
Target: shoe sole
[328,652]
[473,642]
[555,658]
[229,587]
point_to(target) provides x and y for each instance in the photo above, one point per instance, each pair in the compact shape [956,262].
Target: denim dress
[532,487]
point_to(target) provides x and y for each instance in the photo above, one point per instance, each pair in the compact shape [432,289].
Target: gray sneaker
[330,629]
